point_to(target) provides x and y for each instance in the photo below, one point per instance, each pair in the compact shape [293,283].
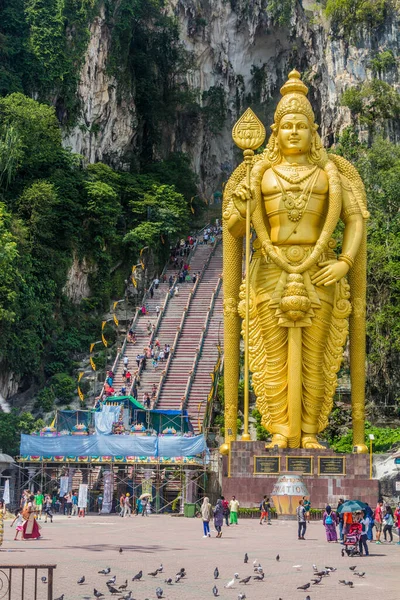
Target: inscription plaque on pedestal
[300,464]
[267,465]
[331,465]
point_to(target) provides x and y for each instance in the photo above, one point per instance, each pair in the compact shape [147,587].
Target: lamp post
[371,439]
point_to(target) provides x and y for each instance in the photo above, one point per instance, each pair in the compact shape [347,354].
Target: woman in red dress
[31,529]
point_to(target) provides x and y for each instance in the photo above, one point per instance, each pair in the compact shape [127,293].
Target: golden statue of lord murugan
[299,296]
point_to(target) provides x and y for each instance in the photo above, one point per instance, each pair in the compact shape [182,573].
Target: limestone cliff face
[240,49]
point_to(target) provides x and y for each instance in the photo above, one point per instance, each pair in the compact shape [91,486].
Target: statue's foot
[310,442]
[278,440]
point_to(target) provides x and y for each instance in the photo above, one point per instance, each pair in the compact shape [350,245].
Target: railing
[199,348]
[15,582]
[180,326]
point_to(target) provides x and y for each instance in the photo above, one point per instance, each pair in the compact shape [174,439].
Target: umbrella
[351,506]
[144,496]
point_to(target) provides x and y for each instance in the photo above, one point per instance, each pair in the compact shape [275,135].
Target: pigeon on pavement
[112,580]
[168,581]
[153,573]
[345,582]
[105,571]
[241,596]
[60,597]
[120,551]
[259,577]
[44,579]
[215,591]
[123,586]
[304,587]
[216,573]
[245,580]
[230,583]
[316,581]
[138,576]
[278,557]
[97,594]
[81,580]
[359,574]
[113,590]
[160,568]
[159,592]
[246,558]
[353,568]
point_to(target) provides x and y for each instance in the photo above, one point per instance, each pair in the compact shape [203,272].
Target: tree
[8,270]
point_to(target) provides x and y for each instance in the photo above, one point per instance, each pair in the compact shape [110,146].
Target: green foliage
[63,387]
[347,16]
[45,399]
[281,11]
[9,274]
[383,62]
[214,108]
[42,47]
[262,433]
[14,423]
[372,102]
[385,439]
[151,63]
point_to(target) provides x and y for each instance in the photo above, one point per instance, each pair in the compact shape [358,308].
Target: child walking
[20,522]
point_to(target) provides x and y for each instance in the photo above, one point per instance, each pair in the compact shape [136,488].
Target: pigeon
[278,557]
[245,580]
[168,581]
[215,591]
[259,577]
[246,559]
[97,594]
[349,583]
[159,592]
[216,573]
[81,580]
[331,569]
[241,596]
[230,584]
[307,598]
[316,581]
[182,570]
[120,551]
[44,579]
[123,586]
[315,567]
[236,575]
[259,570]
[304,587]
[359,574]
[112,580]
[353,568]
[138,576]
[60,597]
[322,573]
[112,589]
[105,571]
[160,568]
[154,573]
[127,596]
[342,551]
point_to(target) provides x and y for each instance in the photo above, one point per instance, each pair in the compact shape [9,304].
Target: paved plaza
[85,546]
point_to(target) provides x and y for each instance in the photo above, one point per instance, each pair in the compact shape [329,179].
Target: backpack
[329,520]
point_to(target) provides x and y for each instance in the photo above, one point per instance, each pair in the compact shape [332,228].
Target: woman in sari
[329,520]
[31,529]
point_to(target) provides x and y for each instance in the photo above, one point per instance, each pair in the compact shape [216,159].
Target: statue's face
[294,134]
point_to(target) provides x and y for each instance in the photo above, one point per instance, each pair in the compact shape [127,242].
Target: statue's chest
[286,191]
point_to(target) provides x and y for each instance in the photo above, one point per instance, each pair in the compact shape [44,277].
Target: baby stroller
[352,541]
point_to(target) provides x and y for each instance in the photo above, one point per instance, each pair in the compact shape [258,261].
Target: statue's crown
[294,99]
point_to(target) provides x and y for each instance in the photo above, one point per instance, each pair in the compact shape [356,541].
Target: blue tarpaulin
[112,445]
[103,420]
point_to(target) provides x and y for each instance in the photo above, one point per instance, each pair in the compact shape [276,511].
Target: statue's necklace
[294,177]
[295,198]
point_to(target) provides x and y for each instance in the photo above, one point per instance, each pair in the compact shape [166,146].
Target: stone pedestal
[249,485]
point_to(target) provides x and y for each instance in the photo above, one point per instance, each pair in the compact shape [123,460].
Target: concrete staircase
[176,382]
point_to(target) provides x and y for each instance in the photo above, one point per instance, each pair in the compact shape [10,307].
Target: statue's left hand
[331,272]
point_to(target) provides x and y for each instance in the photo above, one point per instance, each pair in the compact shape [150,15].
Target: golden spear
[248,134]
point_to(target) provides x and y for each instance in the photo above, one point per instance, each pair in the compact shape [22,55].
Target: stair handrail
[180,326]
[199,348]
